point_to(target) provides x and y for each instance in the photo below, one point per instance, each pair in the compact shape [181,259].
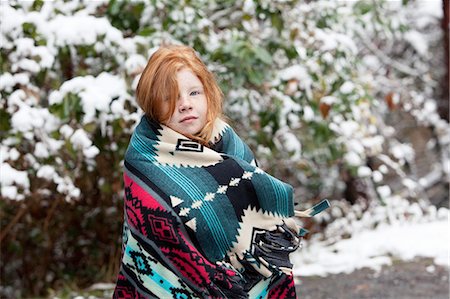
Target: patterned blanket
[204,222]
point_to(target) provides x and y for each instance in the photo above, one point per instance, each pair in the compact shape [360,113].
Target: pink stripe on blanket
[184,255]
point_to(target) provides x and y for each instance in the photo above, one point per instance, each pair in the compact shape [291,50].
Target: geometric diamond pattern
[140,263]
[162,228]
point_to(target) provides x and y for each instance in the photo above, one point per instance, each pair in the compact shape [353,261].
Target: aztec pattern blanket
[204,222]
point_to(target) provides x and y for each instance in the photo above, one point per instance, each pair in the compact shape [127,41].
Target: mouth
[188,118]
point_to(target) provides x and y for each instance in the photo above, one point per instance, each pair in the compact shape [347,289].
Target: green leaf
[125,15]
[37,5]
[114,7]
[263,55]
[277,21]
[146,31]
[90,127]
[5,124]
[255,77]
[363,7]
[29,29]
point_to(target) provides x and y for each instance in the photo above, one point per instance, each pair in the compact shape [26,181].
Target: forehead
[187,79]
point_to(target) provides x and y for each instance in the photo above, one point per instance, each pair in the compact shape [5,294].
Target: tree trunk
[443,108]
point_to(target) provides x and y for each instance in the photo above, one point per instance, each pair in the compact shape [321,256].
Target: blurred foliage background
[342,99]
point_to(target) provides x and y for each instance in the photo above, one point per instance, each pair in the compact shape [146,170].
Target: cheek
[205,107]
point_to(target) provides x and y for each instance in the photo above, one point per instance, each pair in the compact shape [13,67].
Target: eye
[195,93]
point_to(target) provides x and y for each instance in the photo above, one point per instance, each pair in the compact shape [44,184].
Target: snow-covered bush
[304,82]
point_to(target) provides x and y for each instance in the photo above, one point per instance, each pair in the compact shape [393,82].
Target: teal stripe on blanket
[323,205]
[235,147]
[274,196]
[208,212]
[260,290]
[282,194]
[145,149]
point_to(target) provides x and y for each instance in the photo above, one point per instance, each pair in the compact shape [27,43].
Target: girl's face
[191,107]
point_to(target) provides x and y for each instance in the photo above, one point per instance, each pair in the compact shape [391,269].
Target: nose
[184,104]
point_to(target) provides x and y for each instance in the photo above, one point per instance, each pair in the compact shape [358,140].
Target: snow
[403,152]
[135,63]
[383,169]
[102,286]
[66,131]
[27,119]
[91,152]
[11,21]
[429,107]
[14,154]
[356,146]
[46,171]
[347,87]
[80,139]
[364,171]
[410,184]
[384,191]
[377,176]
[26,65]
[40,150]
[10,176]
[308,113]
[96,93]
[375,248]
[288,106]
[327,57]
[349,128]
[332,40]
[373,144]
[287,142]
[7,81]
[80,30]
[249,7]
[65,186]
[189,14]
[418,41]
[10,192]
[353,159]
[329,100]
[296,72]
[25,48]
[371,61]
[427,12]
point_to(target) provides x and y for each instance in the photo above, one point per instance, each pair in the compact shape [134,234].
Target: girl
[201,219]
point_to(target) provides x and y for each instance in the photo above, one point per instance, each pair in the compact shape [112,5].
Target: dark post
[444,101]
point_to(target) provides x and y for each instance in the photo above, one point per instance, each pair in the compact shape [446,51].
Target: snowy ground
[375,248]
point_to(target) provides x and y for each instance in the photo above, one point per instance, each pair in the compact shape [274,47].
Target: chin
[184,132]
[191,133]
[187,131]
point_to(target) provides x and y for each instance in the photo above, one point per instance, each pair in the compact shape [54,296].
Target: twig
[387,60]
[16,218]
[50,213]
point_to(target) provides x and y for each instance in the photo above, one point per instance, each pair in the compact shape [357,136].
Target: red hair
[158,83]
